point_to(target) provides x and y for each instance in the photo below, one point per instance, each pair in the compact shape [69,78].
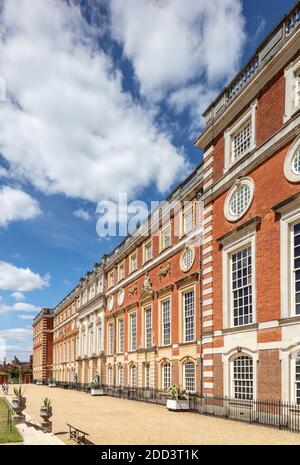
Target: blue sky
[101,98]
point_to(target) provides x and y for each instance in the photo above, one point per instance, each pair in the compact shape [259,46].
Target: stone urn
[46,414]
[18,405]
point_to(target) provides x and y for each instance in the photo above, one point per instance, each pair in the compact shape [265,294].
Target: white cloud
[16,334]
[16,205]
[18,296]
[174,42]
[20,279]
[19,307]
[25,317]
[82,214]
[67,125]
[22,306]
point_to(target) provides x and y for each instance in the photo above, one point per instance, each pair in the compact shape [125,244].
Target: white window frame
[147,372]
[147,309]
[121,378]
[166,299]
[184,375]
[111,279]
[110,341]
[288,162]
[232,383]
[163,375]
[245,181]
[231,131]
[290,74]
[133,349]
[132,269]
[121,335]
[133,370]
[162,244]
[187,209]
[229,249]
[288,218]
[145,245]
[182,266]
[120,267]
[183,292]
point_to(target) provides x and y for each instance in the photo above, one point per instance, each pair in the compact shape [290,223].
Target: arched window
[121,376]
[133,376]
[243,377]
[166,376]
[189,376]
[110,376]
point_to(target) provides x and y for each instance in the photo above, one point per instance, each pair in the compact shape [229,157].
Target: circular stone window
[121,297]
[110,303]
[292,163]
[239,199]
[187,259]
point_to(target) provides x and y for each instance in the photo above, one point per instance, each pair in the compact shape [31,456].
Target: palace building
[208,296]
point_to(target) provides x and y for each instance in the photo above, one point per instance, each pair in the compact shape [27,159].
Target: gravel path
[116,421]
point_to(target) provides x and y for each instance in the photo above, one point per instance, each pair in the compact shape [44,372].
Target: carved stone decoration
[147,288]
[164,271]
[133,290]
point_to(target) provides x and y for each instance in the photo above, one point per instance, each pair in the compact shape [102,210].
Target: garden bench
[77,435]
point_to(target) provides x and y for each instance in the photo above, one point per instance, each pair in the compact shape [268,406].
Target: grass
[7,433]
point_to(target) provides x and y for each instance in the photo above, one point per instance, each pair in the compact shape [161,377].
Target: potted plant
[18,405]
[177,399]
[96,389]
[46,409]
[51,382]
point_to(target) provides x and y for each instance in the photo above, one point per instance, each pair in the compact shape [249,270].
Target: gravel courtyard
[116,421]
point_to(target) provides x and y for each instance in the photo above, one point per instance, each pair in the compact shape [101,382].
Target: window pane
[241,141]
[148,328]
[243,378]
[166,376]
[242,287]
[166,322]
[189,376]
[189,313]
[296,265]
[133,331]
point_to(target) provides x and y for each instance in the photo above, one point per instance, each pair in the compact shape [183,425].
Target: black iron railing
[275,414]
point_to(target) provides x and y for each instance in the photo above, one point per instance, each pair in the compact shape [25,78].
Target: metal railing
[275,414]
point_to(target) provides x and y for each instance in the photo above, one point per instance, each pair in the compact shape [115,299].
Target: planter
[46,412]
[40,383]
[97,392]
[18,405]
[51,384]
[177,404]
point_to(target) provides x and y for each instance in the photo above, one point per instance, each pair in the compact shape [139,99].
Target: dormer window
[240,138]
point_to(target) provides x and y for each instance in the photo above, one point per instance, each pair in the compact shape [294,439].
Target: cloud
[67,125]
[17,341]
[18,296]
[82,214]
[16,334]
[174,42]
[20,279]
[16,205]
[19,307]
[25,317]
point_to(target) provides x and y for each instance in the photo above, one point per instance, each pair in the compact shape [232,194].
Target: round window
[110,303]
[239,199]
[187,259]
[296,162]
[292,162]
[121,297]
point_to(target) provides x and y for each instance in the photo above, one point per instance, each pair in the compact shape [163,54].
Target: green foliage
[19,392]
[176,392]
[47,402]
[95,385]
[51,381]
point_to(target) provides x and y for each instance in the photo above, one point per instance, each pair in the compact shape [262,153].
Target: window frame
[233,379]
[162,245]
[146,309]
[132,270]
[147,243]
[250,114]
[183,318]
[227,251]
[290,75]
[131,315]
[121,265]
[185,210]
[189,361]
[244,181]
[288,162]
[165,299]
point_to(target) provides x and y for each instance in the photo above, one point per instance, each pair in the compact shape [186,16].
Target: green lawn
[7,434]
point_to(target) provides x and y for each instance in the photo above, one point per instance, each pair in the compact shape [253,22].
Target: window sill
[237,329]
